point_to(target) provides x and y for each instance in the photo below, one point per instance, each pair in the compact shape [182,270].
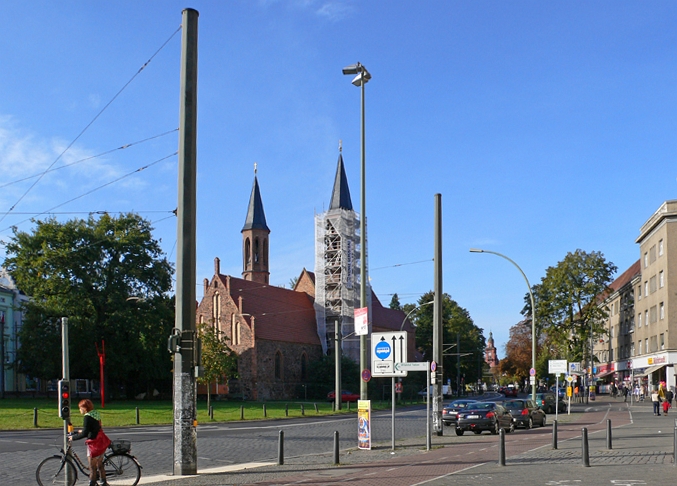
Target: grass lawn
[20,413]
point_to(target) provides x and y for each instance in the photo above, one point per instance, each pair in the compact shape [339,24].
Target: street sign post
[388,348]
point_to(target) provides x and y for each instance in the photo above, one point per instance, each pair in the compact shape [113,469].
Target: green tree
[456,321]
[87,270]
[395,303]
[568,306]
[219,362]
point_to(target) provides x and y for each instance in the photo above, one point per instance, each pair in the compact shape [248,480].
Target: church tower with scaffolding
[337,268]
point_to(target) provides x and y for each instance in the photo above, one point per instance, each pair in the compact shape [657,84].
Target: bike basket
[120,446]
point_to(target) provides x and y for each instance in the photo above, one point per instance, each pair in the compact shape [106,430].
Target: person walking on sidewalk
[626,392]
[666,406]
[656,402]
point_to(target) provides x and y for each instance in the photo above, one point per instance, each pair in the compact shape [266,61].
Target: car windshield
[514,405]
[460,404]
[481,406]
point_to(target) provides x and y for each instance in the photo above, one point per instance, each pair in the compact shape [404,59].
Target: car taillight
[525,412]
[490,414]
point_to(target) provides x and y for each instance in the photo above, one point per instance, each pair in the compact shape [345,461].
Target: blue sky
[546,127]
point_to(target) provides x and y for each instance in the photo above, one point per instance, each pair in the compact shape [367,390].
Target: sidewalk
[641,453]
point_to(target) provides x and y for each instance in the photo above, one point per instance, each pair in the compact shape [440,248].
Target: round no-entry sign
[366,375]
[532,372]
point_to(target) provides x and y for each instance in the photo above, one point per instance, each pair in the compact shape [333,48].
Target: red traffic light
[65,395]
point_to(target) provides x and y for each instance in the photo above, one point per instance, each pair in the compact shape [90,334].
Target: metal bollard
[608,434]
[501,447]
[35,417]
[280,449]
[286,410]
[303,412]
[336,447]
[554,434]
[138,420]
[316,409]
[241,412]
[584,446]
[265,412]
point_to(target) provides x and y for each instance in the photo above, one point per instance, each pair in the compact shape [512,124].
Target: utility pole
[185,366]
[438,335]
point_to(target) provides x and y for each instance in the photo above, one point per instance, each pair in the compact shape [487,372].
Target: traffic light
[64,399]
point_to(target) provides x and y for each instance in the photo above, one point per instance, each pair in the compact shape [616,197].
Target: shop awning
[602,375]
[649,370]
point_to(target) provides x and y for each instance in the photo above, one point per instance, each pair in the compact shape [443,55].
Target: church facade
[276,332]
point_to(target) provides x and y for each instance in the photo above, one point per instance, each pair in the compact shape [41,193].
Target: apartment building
[641,341]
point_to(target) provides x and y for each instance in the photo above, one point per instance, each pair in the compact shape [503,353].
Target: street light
[360,80]
[412,311]
[533,314]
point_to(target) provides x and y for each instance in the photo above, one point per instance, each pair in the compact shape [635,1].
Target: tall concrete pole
[185,406]
[363,238]
[438,329]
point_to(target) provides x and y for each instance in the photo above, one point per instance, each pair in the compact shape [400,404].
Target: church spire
[256,217]
[255,266]
[340,195]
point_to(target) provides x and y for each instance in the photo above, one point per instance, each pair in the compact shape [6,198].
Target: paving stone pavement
[641,454]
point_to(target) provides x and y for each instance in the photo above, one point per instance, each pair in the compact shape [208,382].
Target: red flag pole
[102,363]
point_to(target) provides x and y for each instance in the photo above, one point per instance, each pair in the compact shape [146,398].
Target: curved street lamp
[533,314]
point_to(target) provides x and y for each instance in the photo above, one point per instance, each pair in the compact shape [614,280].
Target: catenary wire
[88,125]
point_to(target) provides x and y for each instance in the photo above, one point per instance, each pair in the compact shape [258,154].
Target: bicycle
[122,468]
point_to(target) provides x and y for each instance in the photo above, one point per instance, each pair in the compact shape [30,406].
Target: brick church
[276,332]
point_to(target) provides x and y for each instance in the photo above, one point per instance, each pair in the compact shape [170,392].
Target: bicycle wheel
[121,470]
[56,471]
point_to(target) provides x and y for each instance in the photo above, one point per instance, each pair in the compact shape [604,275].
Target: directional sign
[557,366]
[411,366]
[388,349]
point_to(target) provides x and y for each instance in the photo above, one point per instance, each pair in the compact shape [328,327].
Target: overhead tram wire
[401,264]
[88,125]
[122,147]
[88,192]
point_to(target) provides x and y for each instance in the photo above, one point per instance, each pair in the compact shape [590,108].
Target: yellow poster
[364,424]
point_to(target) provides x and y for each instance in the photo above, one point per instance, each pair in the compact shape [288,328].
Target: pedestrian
[642,392]
[96,440]
[656,402]
[626,392]
[670,395]
[666,406]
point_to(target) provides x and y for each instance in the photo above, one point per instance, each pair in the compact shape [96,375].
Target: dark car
[450,410]
[510,391]
[525,413]
[481,416]
[346,396]
[546,402]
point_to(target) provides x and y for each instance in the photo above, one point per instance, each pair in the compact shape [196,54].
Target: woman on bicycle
[91,431]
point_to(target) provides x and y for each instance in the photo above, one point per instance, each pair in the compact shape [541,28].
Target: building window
[631,325]
[632,349]
[660,247]
[661,311]
[662,341]
[652,254]
[278,365]
[639,320]
[652,284]
[646,260]
[653,314]
[661,279]
[216,308]
[646,288]
[639,346]
[646,318]
[646,345]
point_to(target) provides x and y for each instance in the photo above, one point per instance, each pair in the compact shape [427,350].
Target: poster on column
[364,424]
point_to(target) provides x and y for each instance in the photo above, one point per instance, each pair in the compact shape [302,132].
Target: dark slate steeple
[256,218]
[340,195]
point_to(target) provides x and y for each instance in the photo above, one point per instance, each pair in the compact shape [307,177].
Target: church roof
[280,314]
[340,194]
[256,217]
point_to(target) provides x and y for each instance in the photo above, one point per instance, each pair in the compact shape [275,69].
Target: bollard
[280,449]
[138,421]
[265,412]
[674,446]
[336,447]
[316,409]
[501,447]
[608,434]
[584,446]
[241,412]
[554,434]
[211,412]
[286,410]
[35,417]
[303,412]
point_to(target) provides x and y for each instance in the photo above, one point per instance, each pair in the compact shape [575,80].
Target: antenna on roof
[255,168]
[340,146]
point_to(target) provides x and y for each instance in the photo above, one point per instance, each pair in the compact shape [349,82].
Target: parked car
[510,391]
[451,409]
[546,402]
[561,391]
[346,396]
[525,413]
[481,416]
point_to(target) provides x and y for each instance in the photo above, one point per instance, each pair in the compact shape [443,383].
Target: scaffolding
[337,277]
